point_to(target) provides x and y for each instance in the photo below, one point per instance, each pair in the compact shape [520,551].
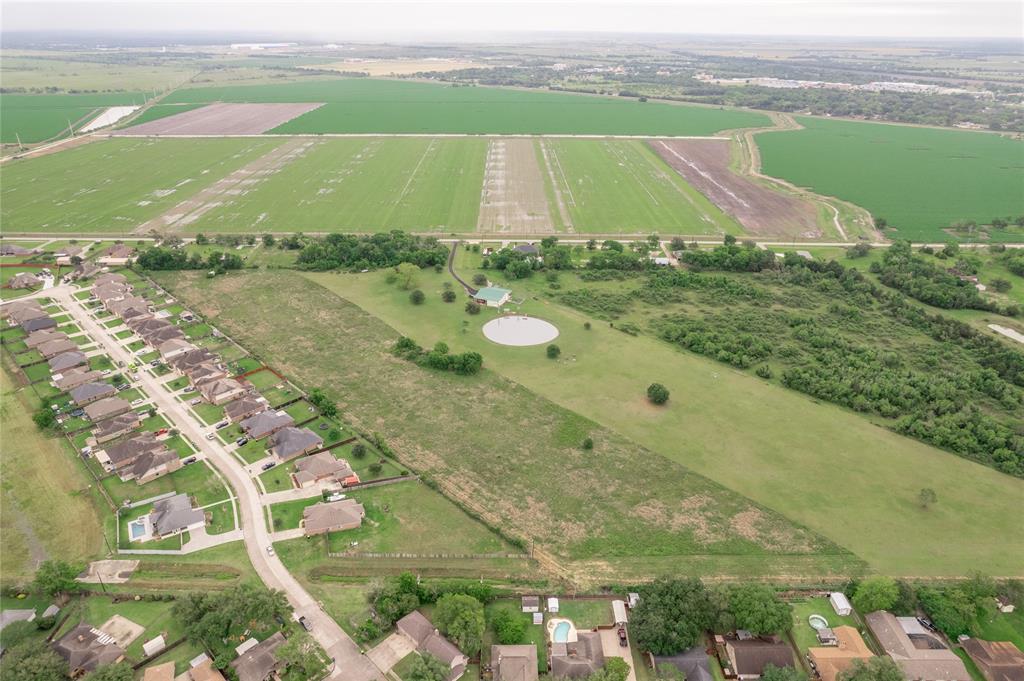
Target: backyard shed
[552,604]
[840,603]
[619,610]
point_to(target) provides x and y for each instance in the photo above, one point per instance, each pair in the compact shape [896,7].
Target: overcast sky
[342,20]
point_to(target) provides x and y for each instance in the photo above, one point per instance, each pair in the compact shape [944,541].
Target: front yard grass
[253,450]
[197,480]
[208,413]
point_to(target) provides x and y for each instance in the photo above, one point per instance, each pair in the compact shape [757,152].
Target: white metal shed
[619,610]
[840,603]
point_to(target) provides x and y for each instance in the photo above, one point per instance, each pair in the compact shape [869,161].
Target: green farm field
[777,447]
[115,185]
[365,185]
[367,105]
[618,186]
[919,179]
[37,71]
[35,118]
[655,515]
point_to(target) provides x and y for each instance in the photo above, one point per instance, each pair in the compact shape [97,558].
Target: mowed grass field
[824,467]
[365,185]
[35,118]
[510,455]
[919,179]
[365,105]
[622,186]
[115,185]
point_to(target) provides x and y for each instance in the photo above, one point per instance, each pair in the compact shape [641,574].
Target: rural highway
[350,663]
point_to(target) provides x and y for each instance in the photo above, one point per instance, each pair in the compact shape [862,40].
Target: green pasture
[366,105]
[623,186]
[115,185]
[35,118]
[919,179]
[366,185]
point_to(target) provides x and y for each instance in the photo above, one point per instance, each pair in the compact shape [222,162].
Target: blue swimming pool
[136,529]
[561,633]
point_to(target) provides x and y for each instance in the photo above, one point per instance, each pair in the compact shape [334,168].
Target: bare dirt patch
[761,210]
[512,198]
[399,67]
[237,183]
[223,119]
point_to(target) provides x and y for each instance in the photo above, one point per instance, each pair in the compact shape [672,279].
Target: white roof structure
[154,646]
[552,604]
[840,603]
[246,645]
[619,609]
[538,618]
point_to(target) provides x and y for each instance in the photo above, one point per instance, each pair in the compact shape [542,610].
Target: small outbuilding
[552,604]
[840,603]
[492,296]
[619,610]
[531,603]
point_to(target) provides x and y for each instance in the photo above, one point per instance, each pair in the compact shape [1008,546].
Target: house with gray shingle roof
[175,515]
[290,442]
[335,516]
[56,346]
[244,407]
[514,663]
[106,407]
[24,280]
[67,360]
[259,662]
[34,340]
[85,649]
[259,426]
[125,452]
[39,323]
[117,426]
[90,392]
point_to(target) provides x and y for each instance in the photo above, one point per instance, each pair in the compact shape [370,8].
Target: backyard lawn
[196,480]
[533,634]
[586,613]
[803,634]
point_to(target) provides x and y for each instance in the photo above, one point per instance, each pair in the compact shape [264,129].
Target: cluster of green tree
[724,337]
[159,258]
[922,280]
[403,594]
[465,363]
[601,304]
[1014,261]
[321,401]
[515,264]
[730,257]
[231,240]
[668,285]
[611,259]
[362,252]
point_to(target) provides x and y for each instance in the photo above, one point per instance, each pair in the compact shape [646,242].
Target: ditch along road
[350,663]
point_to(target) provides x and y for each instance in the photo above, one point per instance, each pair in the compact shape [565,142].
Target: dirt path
[236,183]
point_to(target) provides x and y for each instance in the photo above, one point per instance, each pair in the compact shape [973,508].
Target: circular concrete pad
[520,331]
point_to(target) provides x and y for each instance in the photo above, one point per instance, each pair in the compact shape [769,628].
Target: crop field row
[919,179]
[34,118]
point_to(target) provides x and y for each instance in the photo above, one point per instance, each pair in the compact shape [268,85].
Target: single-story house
[492,296]
[531,603]
[162,335]
[143,324]
[110,291]
[85,648]
[335,516]
[118,254]
[65,254]
[244,407]
[14,249]
[527,249]
[24,280]
[159,672]
[175,515]
[56,346]
[38,324]
[923,658]
[67,360]
[291,442]
[134,313]
[173,348]
[111,278]
[514,663]
[221,390]
[66,380]
[107,407]
[840,603]
[90,392]
[207,371]
[20,310]
[830,661]
[192,358]
[692,662]
[205,671]
[577,659]
[84,270]
[151,466]
[997,660]
[259,662]
[259,426]
[749,657]
[119,307]
[427,639]
[126,452]
[117,426]
[323,466]
[34,340]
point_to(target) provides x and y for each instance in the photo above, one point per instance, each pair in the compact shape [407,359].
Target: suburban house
[206,371]
[265,423]
[291,442]
[151,466]
[531,603]
[692,662]
[135,313]
[56,346]
[67,360]
[259,662]
[85,648]
[421,632]
[492,296]
[320,518]
[14,249]
[205,671]
[110,291]
[244,407]
[24,280]
[118,254]
[119,307]
[919,653]
[528,249]
[126,452]
[111,278]
[34,340]
[997,660]
[749,656]
[144,323]
[173,348]
[21,310]
[830,661]
[514,663]
[323,466]
[189,359]
[84,270]
[165,333]
[175,515]
[65,254]
[75,377]
[90,392]
[38,323]
[221,390]
[107,407]
[112,428]
[159,672]
[579,658]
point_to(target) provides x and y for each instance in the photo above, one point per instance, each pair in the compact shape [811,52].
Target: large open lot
[920,180]
[114,186]
[223,119]
[34,118]
[383,106]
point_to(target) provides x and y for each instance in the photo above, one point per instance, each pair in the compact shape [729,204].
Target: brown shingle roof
[997,660]
[107,407]
[259,662]
[832,660]
[579,659]
[514,663]
[753,655]
[265,423]
[329,517]
[929,664]
[85,649]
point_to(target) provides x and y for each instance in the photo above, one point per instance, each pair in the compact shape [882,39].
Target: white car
[270,550]
[210,436]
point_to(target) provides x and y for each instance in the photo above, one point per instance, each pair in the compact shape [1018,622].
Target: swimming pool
[137,529]
[561,633]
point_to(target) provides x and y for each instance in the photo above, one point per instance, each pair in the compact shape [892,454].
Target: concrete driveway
[611,648]
[390,651]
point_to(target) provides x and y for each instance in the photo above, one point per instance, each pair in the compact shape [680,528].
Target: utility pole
[21,147]
[71,131]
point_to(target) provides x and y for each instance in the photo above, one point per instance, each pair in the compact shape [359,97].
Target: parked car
[86,451]
[270,550]
[222,424]
[189,460]
[242,441]
[305,624]
[105,372]
[195,401]
[337,496]
[188,389]
[210,436]
[155,363]
[123,386]
[623,640]
[137,401]
[268,465]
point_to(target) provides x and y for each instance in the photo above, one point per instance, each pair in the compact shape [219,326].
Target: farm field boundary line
[432,134]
